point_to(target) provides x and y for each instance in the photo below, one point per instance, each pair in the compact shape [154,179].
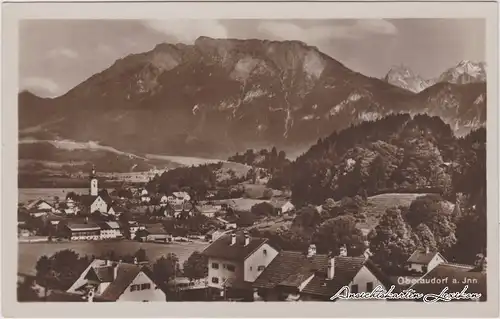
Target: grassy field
[377,205]
[29,253]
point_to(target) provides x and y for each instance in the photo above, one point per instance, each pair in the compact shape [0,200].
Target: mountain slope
[217,97]
[403,77]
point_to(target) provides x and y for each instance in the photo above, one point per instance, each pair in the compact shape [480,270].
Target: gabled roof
[125,275]
[35,203]
[222,248]
[81,227]
[423,257]
[289,267]
[452,276]
[346,268]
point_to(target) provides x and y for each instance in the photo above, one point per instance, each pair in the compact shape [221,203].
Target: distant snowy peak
[465,72]
[405,78]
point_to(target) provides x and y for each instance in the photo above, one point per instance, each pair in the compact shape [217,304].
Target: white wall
[99,205]
[258,258]
[151,294]
[222,272]
[363,277]
[434,262]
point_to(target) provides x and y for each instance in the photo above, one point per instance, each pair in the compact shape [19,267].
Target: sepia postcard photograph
[250,158]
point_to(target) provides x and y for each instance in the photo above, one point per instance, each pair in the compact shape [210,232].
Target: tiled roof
[452,277]
[346,269]
[81,227]
[125,275]
[421,257]
[222,248]
[289,267]
[102,274]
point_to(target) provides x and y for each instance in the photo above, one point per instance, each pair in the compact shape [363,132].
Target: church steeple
[94,190]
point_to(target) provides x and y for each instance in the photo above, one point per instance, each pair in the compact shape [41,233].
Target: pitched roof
[346,269]
[422,257]
[289,267]
[222,248]
[125,275]
[81,227]
[102,274]
[452,277]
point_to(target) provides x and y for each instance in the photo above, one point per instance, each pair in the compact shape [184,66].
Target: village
[228,261]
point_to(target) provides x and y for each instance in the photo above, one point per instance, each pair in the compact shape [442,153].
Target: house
[156,232]
[293,276]
[145,198]
[454,277]
[133,228]
[228,225]
[214,234]
[39,208]
[86,231]
[423,261]
[235,261]
[110,230]
[117,281]
[208,210]
[283,206]
[179,210]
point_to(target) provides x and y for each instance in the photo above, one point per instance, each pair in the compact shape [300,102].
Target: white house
[105,280]
[110,230]
[235,261]
[423,261]
[178,198]
[309,276]
[134,227]
[282,205]
[145,198]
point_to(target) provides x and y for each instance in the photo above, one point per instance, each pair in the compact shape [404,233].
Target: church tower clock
[93,183]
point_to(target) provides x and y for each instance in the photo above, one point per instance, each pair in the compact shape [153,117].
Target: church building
[97,200]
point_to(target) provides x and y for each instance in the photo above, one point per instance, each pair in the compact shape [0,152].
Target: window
[215,280]
[265,251]
[369,286]
[251,267]
[261,268]
[354,289]
[135,288]
[145,286]
[424,268]
[231,268]
[215,265]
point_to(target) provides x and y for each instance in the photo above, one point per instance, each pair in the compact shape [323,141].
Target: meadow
[29,253]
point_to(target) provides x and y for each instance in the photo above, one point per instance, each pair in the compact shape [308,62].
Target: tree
[141,255]
[124,218]
[26,291]
[166,268]
[391,241]
[44,272]
[263,209]
[377,175]
[425,237]
[268,193]
[337,232]
[196,266]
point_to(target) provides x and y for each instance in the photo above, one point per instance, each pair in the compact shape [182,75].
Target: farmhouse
[282,205]
[156,232]
[235,261]
[110,230]
[86,231]
[423,261]
[117,281]
[313,277]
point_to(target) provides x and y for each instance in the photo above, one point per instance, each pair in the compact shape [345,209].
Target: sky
[57,55]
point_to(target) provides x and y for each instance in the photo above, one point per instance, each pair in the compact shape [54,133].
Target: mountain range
[463,73]
[220,96]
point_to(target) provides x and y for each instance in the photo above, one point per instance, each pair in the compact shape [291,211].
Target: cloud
[187,31]
[41,86]
[319,34]
[62,53]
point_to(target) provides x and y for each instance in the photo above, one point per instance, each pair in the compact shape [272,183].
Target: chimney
[247,238]
[233,239]
[115,270]
[311,251]
[331,268]
[343,251]
[90,295]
